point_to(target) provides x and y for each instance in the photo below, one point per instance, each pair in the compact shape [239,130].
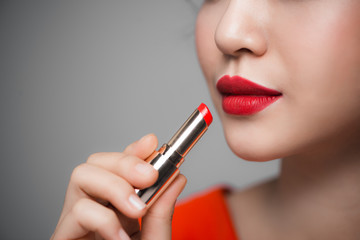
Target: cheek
[208,54]
[321,56]
[321,53]
[318,61]
[205,44]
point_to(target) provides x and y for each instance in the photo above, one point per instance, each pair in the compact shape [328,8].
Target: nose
[241,30]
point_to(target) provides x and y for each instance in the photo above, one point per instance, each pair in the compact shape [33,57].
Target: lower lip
[246,105]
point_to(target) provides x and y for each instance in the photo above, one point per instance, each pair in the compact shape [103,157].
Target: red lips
[243,97]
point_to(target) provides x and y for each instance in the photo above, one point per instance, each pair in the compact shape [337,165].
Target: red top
[204,216]
[205,112]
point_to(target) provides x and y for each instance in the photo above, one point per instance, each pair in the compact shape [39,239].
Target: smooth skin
[309,50]
[101,203]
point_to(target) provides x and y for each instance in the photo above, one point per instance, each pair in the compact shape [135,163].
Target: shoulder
[204,215]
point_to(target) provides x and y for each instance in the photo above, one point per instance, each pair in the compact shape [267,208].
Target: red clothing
[204,216]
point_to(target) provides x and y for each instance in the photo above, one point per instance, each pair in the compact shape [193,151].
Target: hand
[100,201]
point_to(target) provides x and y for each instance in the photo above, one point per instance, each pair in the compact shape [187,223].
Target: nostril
[242,51]
[235,46]
[238,53]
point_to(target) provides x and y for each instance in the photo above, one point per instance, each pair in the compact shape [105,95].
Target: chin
[256,151]
[254,156]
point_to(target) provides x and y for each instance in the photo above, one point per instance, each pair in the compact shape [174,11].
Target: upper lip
[236,85]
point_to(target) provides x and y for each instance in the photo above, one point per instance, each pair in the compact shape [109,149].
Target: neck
[319,192]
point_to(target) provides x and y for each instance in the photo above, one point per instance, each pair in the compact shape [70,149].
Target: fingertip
[149,140]
[144,147]
[179,184]
[136,202]
[182,179]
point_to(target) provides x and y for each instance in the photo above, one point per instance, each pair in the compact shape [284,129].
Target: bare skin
[316,196]
[101,203]
[310,52]
[306,49]
[316,202]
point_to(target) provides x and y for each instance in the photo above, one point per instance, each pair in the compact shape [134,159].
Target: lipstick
[243,97]
[170,156]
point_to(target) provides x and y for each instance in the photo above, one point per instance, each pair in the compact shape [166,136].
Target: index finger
[142,148]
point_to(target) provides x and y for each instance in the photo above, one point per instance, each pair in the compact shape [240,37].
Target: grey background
[79,77]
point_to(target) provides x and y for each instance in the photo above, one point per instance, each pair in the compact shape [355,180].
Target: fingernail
[136,202]
[144,168]
[123,235]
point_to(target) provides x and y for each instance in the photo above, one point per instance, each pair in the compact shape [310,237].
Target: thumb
[156,224]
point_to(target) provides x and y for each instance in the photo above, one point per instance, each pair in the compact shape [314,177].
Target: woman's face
[306,51]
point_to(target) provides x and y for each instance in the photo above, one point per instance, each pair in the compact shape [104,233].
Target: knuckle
[112,194]
[131,158]
[127,164]
[108,218]
[118,156]
[118,189]
[129,147]
[78,173]
[93,157]
[135,160]
[79,208]
[100,156]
